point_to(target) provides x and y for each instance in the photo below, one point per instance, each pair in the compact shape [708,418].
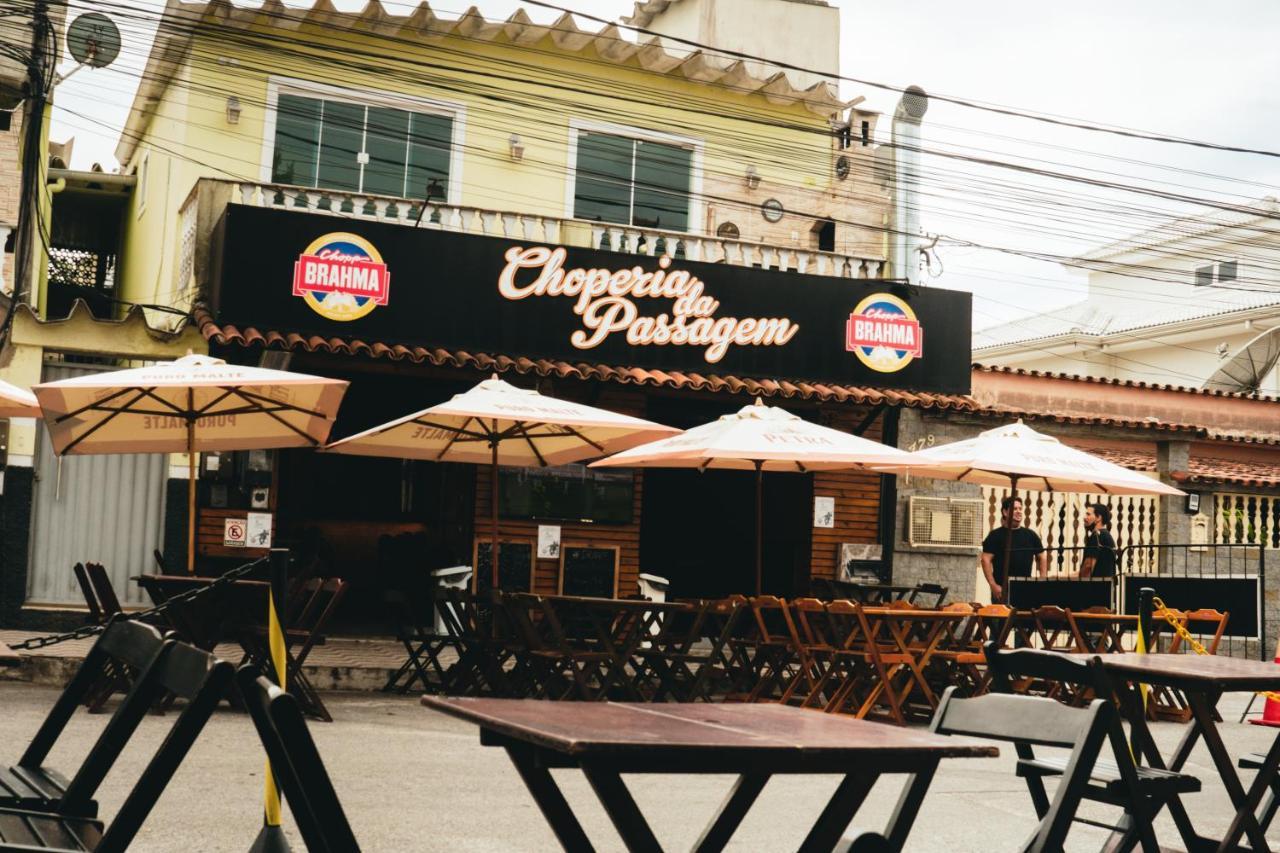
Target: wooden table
[1203,679]
[914,635]
[8,657]
[1102,633]
[606,739]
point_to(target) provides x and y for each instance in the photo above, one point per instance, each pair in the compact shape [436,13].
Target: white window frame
[455,110]
[697,207]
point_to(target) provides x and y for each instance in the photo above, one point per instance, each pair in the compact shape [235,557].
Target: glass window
[297,135]
[370,149]
[631,182]
[1227,271]
[1204,276]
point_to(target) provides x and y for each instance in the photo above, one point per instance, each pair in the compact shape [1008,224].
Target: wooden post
[191,483]
[759,527]
[493,514]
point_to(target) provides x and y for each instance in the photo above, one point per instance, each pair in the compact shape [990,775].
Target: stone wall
[953,568]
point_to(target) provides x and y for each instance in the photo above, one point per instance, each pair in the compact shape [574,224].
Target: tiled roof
[1200,469]
[182,19]
[249,336]
[1124,383]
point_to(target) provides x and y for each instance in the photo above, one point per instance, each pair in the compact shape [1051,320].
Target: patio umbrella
[17,402]
[499,424]
[195,403]
[1016,454]
[760,438]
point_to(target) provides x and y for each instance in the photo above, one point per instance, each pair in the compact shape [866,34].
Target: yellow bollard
[271,839]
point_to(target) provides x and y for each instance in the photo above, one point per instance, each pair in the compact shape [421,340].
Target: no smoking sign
[235,532]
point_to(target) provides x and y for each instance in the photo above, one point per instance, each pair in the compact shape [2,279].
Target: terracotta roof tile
[1200,469]
[1124,383]
[250,337]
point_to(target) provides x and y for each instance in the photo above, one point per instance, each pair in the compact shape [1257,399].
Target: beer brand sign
[341,277]
[609,301]
[884,334]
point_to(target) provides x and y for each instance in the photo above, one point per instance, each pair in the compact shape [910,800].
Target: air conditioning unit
[944,522]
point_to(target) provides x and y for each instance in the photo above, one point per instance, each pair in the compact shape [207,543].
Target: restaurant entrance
[698,528]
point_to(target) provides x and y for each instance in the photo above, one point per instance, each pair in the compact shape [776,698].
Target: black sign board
[318,274]
[1069,593]
[515,566]
[589,571]
[1236,596]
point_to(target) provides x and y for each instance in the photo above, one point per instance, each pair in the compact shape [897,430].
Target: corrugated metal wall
[107,509]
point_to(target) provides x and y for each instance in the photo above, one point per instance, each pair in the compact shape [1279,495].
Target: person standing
[1022,547]
[1099,545]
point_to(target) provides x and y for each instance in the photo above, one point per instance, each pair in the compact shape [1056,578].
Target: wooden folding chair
[182,670]
[818,644]
[991,623]
[415,629]
[865,670]
[103,589]
[1142,791]
[1167,703]
[773,650]
[31,785]
[306,616]
[296,765]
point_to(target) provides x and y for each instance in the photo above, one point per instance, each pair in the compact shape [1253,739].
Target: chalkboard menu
[1235,596]
[515,566]
[1069,593]
[589,571]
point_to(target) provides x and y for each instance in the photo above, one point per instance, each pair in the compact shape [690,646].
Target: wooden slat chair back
[1205,622]
[104,590]
[31,785]
[90,597]
[1163,635]
[1143,791]
[296,765]
[182,670]
[718,671]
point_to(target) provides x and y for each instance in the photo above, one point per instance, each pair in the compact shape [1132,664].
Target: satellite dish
[1246,370]
[94,40]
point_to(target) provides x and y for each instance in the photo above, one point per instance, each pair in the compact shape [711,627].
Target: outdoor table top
[1195,672]
[904,613]
[689,732]
[1117,618]
[8,657]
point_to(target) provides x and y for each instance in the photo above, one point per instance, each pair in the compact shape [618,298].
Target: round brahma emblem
[341,276]
[884,334]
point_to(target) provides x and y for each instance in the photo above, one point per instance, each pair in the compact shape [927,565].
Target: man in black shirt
[1021,545]
[1099,545]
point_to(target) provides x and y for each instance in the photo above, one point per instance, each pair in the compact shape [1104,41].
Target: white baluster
[379,209]
[551,229]
[488,222]
[510,223]
[803,259]
[527,226]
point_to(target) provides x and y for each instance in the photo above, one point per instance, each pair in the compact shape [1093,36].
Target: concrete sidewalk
[411,779]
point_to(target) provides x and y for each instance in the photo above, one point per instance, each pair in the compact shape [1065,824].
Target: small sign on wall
[548,541]
[235,532]
[824,512]
[259,535]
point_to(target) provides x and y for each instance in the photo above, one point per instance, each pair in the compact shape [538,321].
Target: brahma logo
[883,333]
[342,277]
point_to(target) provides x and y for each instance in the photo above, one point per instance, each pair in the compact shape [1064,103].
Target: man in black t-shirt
[1099,545]
[1022,546]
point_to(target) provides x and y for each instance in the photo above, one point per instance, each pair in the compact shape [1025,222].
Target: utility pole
[40,67]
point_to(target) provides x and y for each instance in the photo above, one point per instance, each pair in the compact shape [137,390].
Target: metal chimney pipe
[906,178]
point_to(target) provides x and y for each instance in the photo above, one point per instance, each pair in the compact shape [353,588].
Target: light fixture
[233,110]
[753,177]
[1193,502]
[516,147]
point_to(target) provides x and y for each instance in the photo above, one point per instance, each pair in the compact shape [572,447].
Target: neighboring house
[1170,305]
[447,132]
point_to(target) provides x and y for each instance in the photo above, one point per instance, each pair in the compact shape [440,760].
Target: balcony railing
[550,229]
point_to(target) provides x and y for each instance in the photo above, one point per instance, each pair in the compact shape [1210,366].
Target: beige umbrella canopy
[760,438]
[1015,454]
[17,402]
[196,403]
[499,424]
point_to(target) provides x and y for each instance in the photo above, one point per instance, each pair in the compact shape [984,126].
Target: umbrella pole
[759,529]
[493,514]
[1008,537]
[191,490]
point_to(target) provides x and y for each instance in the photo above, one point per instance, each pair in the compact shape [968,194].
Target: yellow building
[424,150]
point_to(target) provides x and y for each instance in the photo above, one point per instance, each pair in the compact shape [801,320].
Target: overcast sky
[1182,68]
